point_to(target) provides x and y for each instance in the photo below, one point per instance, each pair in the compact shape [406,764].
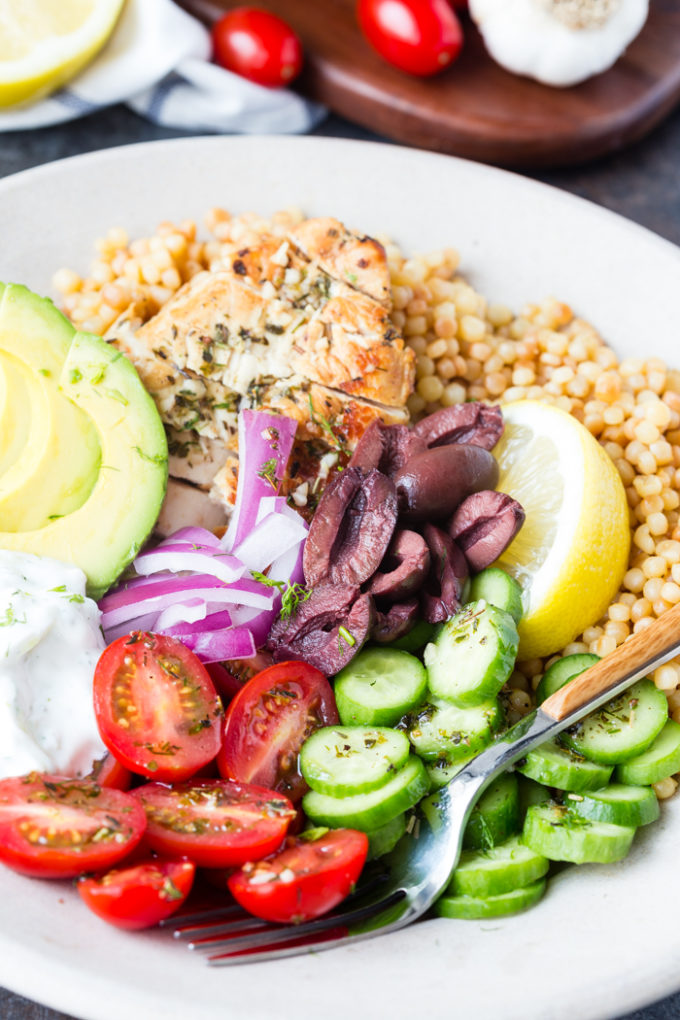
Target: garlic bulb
[558,42]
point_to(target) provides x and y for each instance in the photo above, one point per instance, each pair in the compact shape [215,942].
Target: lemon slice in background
[44,43]
[572,552]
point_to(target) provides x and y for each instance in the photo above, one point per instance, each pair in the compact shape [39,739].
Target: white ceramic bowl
[605,940]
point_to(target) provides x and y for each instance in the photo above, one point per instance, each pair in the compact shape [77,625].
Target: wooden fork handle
[662,636]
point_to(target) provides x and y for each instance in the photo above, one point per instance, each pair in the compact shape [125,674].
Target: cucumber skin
[485,583]
[487,687]
[580,742]
[641,812]
[495,879]
[495,816]
[640,772]
[345,812]
[417,637]
[472,908]
[554,678]
[540,769]
[546,833]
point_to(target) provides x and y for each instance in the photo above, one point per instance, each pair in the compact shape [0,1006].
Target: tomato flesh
[139,896]
[109,772]
[214,822]
[53,827]
[420,37]
[156,707]
[258,45]
[269,720]
[307,878]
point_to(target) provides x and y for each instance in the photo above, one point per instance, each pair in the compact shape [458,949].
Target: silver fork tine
[327,939]
[285,933]
[178,921]
[204,932]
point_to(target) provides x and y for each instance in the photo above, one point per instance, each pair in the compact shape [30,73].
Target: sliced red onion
[183,557]
[272,537]
[264,445]
[195,536]
[188,580]
[212,621]
[246,592]
[219,645]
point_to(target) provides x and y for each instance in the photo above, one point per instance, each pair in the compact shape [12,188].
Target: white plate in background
[605,940]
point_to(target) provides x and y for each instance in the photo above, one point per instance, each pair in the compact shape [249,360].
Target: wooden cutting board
[475,108]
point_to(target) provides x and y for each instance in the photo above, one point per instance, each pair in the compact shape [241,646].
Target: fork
[419,868]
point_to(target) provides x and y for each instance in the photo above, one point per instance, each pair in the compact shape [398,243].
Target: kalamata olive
[484,525]
[397,621]
[432,484]
[444,588]
[366,531]
[476,423]
[327,523]
[404,569]
[386,447]
[328,629]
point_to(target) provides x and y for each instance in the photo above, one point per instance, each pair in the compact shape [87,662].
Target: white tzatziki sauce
[50,641]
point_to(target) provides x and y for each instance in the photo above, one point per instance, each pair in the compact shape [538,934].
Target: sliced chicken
[297,325]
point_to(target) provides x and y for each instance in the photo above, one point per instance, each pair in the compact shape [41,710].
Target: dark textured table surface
[642,183]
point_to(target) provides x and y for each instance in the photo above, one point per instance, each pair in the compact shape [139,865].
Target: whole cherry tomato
[258,45]
[138,895]
[421,37]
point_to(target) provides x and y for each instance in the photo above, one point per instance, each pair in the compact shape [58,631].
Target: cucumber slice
[560,834]
[495,816]
[498,589]
[511,865]
[442,771]
[473,655]
[618,804]
[384,839]
[623,728]
[531,792]
[561,672]
[439,729]
[420,633]
[554,765]
[369,811]
[378,686]
[658,762]
[344,760]
[473,908]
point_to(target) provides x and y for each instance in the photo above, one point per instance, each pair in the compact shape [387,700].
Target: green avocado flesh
[83,453]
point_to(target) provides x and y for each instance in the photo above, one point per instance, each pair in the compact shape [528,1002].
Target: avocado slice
[83,459]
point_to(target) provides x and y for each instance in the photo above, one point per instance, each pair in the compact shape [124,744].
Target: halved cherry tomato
[311,875]
[258,45]
[157,709]
[141,895]
[214,822]
[269,720]
[108,771]
[52,827]
[420,37]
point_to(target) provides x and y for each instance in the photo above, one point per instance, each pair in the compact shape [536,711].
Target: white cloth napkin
[158,62]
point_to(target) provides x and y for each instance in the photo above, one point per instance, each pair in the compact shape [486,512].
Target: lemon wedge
[572,552]
[44,43]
